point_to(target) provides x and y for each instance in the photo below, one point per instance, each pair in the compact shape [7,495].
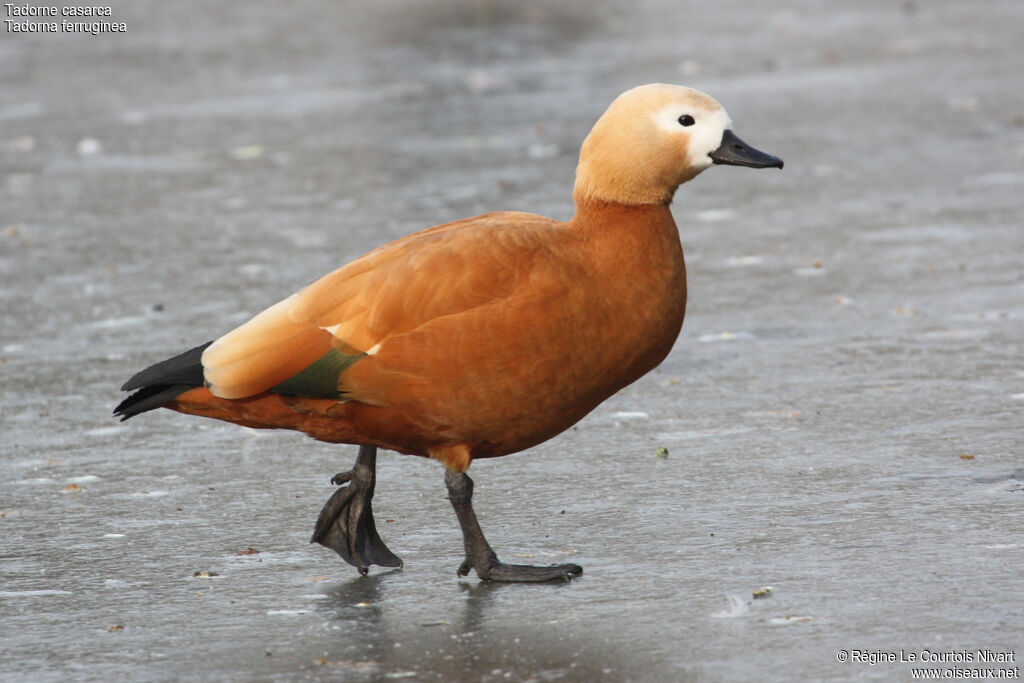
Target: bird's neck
[596,214]
[635,242]
[633,189]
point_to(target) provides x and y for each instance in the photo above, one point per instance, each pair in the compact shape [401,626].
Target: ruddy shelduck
[477,338]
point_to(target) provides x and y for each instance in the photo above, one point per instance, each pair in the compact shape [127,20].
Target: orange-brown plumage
[476,338]
[538,323]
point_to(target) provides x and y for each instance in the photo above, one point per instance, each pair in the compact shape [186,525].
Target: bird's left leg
[345,524]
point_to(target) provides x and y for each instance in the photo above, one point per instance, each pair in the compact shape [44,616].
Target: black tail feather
[150,398]
[161,383]
[185,368]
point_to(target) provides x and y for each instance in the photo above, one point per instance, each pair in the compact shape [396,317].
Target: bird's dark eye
[686,120]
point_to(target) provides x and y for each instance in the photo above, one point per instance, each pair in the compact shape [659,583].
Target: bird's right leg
[345,524]
[480,556]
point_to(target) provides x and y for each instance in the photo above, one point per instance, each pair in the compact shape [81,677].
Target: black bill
[735,152]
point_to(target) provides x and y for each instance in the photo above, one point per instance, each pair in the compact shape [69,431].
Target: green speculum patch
[320,378]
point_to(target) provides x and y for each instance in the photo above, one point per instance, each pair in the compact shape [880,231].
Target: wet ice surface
[842,411]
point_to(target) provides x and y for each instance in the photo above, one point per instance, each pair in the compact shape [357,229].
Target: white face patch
[705,133]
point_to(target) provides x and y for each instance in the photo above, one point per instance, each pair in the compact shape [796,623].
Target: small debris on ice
[247,152]
[88,147]
[714,215]
[723,336]
[790,620]
[105,431]
[752,260]
[23,143]
[630,415]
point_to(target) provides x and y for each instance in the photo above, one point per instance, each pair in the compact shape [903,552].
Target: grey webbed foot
[346,525]
[480,556]
[519,573]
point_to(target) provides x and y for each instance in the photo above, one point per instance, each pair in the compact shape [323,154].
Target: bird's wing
[304,344]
